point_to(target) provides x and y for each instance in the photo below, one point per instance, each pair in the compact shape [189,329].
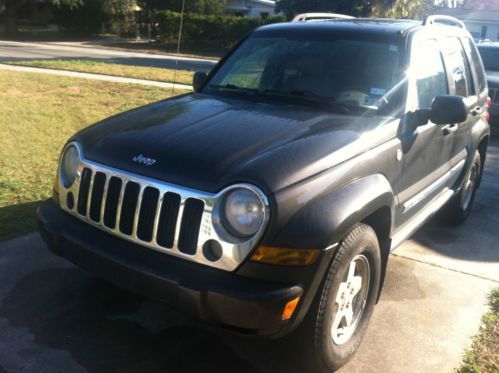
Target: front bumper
[237,302]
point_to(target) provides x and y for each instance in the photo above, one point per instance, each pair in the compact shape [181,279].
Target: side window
[429,72]
[474,57]
[457,66]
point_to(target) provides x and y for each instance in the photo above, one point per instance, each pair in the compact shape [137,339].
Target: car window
[429,73]
[360,74]
[456,65]
[490,58]
[474,56]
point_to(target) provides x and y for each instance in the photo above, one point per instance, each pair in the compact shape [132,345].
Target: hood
[209,142]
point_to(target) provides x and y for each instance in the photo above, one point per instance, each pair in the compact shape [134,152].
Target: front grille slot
[112,200]
[86,177]
[128,208]
[191,223]
[168,220]
[147,213]
[97,196]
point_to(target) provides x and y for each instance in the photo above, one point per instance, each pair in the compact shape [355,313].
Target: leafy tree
[213,7]
[358,8]
[293,7]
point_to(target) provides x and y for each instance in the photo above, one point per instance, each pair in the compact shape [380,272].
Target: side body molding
[326,218]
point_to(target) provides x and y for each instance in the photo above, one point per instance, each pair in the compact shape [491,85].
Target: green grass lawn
[483,357]
[97,67]
[38,113]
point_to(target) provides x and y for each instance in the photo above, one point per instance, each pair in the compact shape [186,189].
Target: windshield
[358,75]
[490,58]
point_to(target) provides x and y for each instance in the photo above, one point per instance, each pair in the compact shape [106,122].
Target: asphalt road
[56,318]
[11,51]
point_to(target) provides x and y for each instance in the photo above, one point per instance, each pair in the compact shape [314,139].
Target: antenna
[178,46]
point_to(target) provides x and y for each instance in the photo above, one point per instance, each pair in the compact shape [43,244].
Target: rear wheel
[345,302]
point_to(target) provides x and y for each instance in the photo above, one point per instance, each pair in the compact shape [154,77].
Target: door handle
[476,111]
[450,128]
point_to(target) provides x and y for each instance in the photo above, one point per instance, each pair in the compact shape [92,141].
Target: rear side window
[457,66]
[429,72]
[472,52]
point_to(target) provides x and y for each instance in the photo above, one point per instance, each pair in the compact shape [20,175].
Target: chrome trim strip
[408,229]
[234,249]
[425,193]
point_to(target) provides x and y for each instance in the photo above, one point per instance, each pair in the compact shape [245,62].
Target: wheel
[346,299]
[459,207]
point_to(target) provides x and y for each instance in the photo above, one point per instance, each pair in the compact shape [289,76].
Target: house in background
[481,23]
[251,8]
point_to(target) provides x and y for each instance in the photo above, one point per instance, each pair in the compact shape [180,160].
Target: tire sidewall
[466,210]
[366,244]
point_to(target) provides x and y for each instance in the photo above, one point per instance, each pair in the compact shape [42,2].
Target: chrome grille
[161,216]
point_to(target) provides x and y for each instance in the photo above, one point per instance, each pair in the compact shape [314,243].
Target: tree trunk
[11,7]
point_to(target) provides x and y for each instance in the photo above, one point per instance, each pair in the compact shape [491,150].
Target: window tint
[456,65]
[472,52]
[430,73]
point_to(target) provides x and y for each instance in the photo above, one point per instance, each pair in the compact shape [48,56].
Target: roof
[480,15]
[369,25]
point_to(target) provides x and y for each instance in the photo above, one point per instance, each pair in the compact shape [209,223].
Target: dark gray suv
[268,200]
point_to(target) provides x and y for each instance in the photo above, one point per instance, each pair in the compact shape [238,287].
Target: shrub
[215,30]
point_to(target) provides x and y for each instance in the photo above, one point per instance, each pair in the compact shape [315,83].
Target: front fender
[328,217]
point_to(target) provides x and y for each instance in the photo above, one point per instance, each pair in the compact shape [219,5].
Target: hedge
[220,30]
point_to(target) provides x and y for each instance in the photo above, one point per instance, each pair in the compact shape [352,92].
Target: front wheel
[346,300]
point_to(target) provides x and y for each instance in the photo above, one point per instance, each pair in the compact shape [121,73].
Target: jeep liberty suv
[271,197]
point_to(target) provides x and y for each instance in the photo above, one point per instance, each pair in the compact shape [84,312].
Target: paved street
[56,318]
[11,51]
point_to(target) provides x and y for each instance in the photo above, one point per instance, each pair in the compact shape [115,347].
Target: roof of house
[470,14]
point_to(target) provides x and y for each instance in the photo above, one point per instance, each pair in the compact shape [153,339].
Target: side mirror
[198,80]
[448,110]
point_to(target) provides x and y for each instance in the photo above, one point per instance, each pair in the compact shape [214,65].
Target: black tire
[360,242]
[458,209]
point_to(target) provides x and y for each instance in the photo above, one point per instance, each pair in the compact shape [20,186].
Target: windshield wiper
[233,87]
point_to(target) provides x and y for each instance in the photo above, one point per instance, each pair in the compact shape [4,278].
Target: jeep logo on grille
[142,159]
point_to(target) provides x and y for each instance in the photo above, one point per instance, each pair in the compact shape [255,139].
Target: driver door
[426,149]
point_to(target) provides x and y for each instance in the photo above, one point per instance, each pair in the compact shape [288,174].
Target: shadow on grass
[16,220]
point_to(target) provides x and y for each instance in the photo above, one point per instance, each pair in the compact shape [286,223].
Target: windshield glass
[490,58]
[359,75]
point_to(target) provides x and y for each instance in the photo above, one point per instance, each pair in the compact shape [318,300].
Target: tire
[334,342]
[460,206]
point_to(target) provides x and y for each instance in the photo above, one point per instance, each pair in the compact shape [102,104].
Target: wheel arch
[327,218]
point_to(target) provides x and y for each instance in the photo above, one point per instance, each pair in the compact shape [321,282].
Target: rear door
[461,83]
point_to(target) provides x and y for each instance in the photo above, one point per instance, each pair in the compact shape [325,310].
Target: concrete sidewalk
[107,78]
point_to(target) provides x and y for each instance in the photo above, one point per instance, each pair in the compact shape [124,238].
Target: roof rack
[446,20]
[306,17]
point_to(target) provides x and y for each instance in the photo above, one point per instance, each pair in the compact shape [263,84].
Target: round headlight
[242,213]
[69,166]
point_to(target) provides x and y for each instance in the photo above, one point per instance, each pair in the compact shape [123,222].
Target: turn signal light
[285,257]
[289,309]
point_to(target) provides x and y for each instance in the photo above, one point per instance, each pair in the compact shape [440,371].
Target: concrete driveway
[56,318]
[12,51]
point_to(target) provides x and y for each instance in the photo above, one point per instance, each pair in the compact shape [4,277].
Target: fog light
[286,257]
[289,309]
